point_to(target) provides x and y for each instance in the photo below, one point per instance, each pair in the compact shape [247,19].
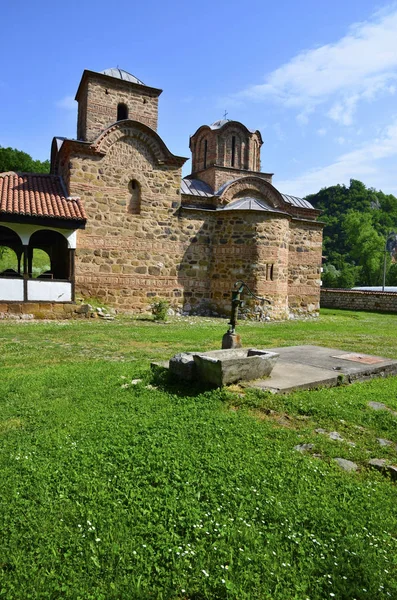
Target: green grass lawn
[110,490]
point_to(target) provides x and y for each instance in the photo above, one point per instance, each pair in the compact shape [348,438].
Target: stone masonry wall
[190,257]
[98,106]
[304,266]
[359,300]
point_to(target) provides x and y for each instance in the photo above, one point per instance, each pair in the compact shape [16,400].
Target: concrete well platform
[311,367]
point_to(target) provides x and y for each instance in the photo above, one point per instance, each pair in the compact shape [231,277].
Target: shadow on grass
[167,382]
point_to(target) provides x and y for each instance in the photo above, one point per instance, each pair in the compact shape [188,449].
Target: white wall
[54,291]
[11,289]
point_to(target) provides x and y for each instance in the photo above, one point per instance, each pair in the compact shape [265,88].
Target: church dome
[121,74]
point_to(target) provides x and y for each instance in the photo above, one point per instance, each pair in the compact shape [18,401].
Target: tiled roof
[38,195]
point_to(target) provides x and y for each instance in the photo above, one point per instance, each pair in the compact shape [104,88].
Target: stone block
[224,367]
[15,308]
[231,340]
[183,366]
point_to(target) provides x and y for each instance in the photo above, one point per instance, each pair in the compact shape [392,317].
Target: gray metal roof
[195,187]
[219,124]
[295,201]
[121,74]
[224,186]
[222,122]
[250,204]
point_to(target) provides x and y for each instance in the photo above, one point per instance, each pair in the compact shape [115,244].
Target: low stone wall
[26,311]
[38,310]
[359,300]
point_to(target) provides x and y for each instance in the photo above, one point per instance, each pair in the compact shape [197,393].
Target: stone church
[120,223]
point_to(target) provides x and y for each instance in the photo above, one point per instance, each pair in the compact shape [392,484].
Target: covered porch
[37,239]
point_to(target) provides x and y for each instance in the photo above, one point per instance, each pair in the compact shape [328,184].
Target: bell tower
[110,96]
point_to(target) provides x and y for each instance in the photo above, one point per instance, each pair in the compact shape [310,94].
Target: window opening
[269,272]
[48,255]
[41,264]
[134,206]
[9,264]
[205,153]
[122,112]
[11,253]
[233,150]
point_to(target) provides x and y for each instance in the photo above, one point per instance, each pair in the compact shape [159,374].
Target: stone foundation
[38,310]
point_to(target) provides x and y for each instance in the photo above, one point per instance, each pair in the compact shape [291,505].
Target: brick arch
[252,185]
[141,132]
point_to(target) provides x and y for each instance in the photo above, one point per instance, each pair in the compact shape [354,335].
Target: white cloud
[68,103]
[361,65]
[322,131]
[361,163]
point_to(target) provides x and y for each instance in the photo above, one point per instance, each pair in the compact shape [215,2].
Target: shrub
[160,309]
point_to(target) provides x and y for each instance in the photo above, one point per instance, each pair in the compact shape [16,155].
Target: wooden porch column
[25,273]
[72,273]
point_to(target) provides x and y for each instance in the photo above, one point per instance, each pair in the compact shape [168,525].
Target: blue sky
[318,79]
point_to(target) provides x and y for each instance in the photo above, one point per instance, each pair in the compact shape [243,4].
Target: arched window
[41,264]
[122,112]
[134,205]
[11,252]
[205,153]
[54,249]
[233,150]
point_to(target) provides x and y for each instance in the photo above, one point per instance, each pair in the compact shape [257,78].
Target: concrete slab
[309,367]
[289,376]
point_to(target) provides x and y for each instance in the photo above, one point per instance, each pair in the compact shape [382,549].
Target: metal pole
[384,271]
[390,248]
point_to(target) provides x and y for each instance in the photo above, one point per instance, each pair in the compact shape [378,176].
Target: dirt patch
[10,424]
[278,419]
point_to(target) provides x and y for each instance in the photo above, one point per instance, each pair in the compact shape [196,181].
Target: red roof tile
[38,195]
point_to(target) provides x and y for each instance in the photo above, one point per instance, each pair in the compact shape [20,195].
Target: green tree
[366,246]
[16,160]
[354,244]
